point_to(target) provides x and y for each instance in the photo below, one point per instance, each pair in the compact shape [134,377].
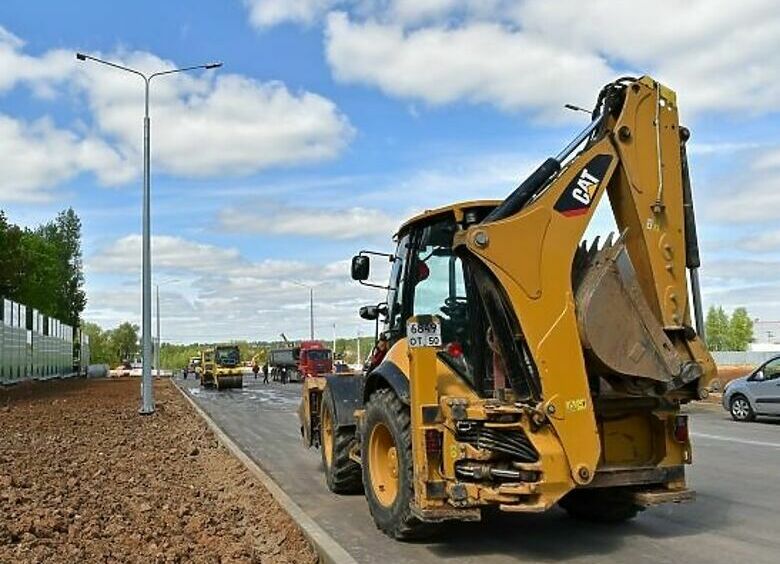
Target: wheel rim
[326,431]
[383,464]
[740,408]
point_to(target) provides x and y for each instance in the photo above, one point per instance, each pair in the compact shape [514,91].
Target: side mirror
[369,313]
[372,312]
[758,376]
[361,267]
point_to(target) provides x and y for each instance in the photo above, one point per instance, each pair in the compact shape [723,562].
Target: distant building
[765,332]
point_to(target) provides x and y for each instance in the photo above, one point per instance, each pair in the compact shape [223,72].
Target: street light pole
[311,312]
[159,343]
[147,391]
[311,305]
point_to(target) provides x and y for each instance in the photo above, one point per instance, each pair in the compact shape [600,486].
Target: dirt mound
[86,479]
[729,373]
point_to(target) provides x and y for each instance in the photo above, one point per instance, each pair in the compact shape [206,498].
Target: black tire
[343,474]
[395,520]
[740,409]
[601,505]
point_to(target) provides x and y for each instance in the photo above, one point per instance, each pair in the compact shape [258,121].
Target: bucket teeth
[594,248]
[586,255]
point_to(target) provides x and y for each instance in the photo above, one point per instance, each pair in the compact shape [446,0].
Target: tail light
[433,441]
[681,428]
[455,349]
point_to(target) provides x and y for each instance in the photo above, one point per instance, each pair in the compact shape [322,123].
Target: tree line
[123,344]
[174,357]
[728,333]
[112,346]
[42,267]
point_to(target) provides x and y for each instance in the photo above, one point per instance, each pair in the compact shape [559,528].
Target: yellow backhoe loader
[519,367]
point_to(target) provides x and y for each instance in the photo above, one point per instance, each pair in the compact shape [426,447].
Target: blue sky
[333,120]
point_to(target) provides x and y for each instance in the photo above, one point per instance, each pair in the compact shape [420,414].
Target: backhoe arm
[621,313]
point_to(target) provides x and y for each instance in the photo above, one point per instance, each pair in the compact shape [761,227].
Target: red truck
[309,358]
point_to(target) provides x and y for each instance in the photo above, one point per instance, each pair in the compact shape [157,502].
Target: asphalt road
[734,518]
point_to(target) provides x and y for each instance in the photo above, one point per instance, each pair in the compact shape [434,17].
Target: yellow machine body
[602,335]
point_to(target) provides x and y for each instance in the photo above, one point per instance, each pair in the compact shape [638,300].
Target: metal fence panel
[34,346]
[742,358]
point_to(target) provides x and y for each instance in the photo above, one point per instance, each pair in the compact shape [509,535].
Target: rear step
[657,497]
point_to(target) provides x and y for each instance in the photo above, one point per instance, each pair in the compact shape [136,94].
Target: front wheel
[740,409]
[388,475]
[342,474]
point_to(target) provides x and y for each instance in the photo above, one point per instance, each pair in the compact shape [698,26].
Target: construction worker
[255,369]
[265,373]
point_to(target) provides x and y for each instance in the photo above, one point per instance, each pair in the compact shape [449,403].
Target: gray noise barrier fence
[34,346]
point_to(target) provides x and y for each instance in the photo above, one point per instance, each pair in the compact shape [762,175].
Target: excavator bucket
[623,341]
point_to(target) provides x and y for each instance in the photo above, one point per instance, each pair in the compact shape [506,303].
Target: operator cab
[429,276]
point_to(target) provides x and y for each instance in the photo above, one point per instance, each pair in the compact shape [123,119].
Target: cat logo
[581,191]
[586,187]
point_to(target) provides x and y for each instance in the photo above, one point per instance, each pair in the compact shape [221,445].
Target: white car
[758,393]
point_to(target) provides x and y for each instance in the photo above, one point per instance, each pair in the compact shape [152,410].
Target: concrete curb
[329,551]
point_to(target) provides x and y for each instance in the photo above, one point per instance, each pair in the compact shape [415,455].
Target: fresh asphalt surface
[734,519]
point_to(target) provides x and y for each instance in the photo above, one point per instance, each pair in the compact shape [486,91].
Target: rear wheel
[740,409]
[342,474]
[600,505]
[388,474]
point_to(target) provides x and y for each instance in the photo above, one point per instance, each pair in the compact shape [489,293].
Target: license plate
[426,334]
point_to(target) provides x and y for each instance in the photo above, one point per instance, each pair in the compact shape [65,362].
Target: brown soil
[83,478]
[728,373]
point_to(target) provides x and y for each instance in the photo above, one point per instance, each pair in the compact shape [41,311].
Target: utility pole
[334,340]
[311,312]
[159,343]
[147,390]
[359,359]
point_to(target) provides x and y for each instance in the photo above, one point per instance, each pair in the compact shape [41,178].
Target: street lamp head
[81,56]
[210,66]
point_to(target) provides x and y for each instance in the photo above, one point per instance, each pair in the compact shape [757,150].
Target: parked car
[758,393]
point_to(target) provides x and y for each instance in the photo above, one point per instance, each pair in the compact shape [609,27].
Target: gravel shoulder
[84,478]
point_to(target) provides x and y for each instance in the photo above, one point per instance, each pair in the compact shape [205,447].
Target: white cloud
[267,13]
[766,242]
[221,295]
[714,54]
[535,54]
[202,124]
[217,124]
[175,253]
[768,160]
[329,223]
[751,195]
[35,157]
[480,62]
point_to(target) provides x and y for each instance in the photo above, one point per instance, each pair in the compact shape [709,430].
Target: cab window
[395,318]
[438,288]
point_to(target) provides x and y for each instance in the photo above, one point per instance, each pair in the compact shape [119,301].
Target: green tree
[99,344]
[717,329]
[42,268]
[38,266]
[73,299]
[10,268]
[124,341]
[740,331]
